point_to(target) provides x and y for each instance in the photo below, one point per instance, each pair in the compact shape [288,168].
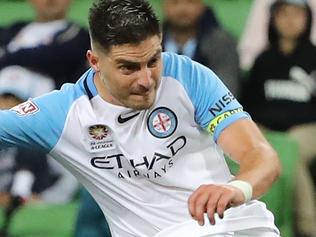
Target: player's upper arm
[240,137]
[36,123]
[215,106]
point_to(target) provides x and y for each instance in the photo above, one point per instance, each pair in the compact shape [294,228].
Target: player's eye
[153,62]
[128,69]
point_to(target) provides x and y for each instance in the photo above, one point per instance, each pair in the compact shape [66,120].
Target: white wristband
[244,186]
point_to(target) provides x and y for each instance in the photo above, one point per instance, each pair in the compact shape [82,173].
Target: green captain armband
[215,121]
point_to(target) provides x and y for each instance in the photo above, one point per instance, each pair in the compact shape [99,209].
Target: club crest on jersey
[26,108]
[98,132]
[162,122]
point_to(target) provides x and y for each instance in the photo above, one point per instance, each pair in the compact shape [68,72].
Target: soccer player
[145,132]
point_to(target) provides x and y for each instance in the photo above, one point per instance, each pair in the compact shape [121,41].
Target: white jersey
[140,166]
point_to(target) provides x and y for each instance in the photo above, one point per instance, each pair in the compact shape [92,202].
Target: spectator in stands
[31,174]
[39,56]
[281,94]
[254,38]
[28,176]
[49,47]
[191,28]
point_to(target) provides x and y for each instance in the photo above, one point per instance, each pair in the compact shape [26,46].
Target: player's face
[49,10]
[183,14]
[128,75]
[290,21]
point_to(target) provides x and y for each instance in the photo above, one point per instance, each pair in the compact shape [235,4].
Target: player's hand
[213,199]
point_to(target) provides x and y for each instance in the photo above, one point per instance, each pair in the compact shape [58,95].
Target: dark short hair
[116,22]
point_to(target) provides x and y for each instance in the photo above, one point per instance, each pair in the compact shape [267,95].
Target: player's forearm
[260,167]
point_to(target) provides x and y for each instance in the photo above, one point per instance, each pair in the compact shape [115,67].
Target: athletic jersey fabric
[140,166]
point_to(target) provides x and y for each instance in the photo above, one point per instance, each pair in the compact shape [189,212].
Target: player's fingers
[224,203]
[212,205]
[192,200]
[201,206]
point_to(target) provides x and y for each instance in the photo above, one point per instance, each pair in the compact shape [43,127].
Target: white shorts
[256,232]
[239,227]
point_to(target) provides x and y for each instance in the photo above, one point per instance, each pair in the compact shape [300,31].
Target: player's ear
[93,60]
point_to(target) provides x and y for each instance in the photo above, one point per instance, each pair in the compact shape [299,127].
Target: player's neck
[103,92]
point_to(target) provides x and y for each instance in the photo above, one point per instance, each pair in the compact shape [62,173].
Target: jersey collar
[89,85]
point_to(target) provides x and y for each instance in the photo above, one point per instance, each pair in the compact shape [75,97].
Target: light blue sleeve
[215,106]
[37,123]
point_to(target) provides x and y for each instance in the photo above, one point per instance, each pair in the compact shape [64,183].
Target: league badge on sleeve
[26,108]
[162,122]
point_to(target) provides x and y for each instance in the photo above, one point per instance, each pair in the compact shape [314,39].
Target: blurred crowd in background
[270,68]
